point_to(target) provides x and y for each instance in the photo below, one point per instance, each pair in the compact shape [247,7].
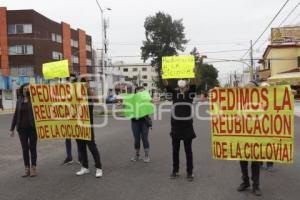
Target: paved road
[215,180]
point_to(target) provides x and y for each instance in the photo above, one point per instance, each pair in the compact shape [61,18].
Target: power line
[283,21]
[292,11]
[270,23]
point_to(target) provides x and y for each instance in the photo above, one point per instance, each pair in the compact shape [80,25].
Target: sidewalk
[6,111]
[297,108]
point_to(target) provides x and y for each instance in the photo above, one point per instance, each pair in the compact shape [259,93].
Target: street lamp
[103,44]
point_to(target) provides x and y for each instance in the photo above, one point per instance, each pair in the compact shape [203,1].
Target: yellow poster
[58,69]
[61,111]
[175,67]
[254,124]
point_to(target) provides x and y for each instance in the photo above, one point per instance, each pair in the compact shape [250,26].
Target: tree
[164,37]
[206,75]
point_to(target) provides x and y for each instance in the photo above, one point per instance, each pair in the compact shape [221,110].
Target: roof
[280,46]
[285,77]
[291,71]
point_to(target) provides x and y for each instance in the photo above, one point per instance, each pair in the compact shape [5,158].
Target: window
[298,61]
[269,64]
[75,59]
[145,84]
[57,55]
[89,62]
[88,47]
[134,77]
[135,69]
[144,77]
[19,28]
[56,37]
[20,50]
[144,69]
[74,43]
[22,70]
[125,70]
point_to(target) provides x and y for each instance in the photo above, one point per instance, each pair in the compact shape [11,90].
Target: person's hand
[12,134]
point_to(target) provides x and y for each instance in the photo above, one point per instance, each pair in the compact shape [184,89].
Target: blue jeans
[140,131]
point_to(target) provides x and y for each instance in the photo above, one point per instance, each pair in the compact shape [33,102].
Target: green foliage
[206,74]
[164,37]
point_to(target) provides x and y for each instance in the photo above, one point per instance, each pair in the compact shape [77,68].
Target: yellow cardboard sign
[174,67]
[254,124]
[61,111]
[58,69]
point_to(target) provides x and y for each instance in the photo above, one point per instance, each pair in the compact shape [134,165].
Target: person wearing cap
[182,124]
[255,166]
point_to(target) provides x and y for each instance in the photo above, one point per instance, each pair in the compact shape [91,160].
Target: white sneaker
[146,159]
[83,171]
[99,173]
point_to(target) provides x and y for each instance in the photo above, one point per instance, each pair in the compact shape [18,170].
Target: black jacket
[16,117]
[182,119]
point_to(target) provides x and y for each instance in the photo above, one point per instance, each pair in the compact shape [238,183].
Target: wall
[278,66]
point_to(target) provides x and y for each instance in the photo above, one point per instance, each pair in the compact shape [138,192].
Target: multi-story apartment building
[140,74]
[28,39]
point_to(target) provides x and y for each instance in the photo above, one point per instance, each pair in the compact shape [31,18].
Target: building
[280,63]
[140,74]
[28,39]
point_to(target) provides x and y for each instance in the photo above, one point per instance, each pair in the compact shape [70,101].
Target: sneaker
[174,175]
[99,173]
[146,159]
[83,171]
[257,191]
[67,161]
[135,158]
[190,177]
[243,187]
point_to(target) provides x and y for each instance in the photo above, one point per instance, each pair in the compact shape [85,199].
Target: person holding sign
[255,168]
[83,144]
[23,120]
[140,128]
[182,124]
[68,142]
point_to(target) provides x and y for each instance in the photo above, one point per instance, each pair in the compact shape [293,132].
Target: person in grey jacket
[23,121]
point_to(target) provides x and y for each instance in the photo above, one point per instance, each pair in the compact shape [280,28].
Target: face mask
[181,83]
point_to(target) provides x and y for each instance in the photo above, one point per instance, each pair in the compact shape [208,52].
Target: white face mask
[181,83]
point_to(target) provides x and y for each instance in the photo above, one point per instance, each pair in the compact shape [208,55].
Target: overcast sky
[210,25]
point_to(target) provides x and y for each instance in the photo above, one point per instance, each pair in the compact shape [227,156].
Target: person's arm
[14,122]
[92,97]
[192,89]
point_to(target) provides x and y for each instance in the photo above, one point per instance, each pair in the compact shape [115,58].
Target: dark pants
[255,168]
[28,140]
[68,143]
[140,131]
[188,153]
[93,149]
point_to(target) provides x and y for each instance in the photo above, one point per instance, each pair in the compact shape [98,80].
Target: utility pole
[251,60]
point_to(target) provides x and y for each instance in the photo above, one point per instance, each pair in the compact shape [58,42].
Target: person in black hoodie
[23,120]
[182,124]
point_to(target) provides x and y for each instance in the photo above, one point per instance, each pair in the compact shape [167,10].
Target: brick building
[28,39]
